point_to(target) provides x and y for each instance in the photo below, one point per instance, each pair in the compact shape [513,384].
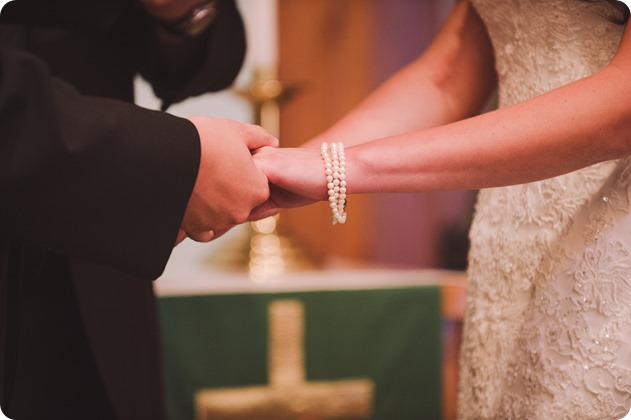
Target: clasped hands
[243,175]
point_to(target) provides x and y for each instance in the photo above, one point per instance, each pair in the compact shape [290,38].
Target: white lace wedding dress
[548,326]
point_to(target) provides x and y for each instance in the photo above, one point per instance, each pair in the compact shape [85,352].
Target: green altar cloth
[389,334]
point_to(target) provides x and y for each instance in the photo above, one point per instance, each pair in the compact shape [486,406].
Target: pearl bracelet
[335,173]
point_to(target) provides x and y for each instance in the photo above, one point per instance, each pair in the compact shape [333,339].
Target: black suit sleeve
[97,179]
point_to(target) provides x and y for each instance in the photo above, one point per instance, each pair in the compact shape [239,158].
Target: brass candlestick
[263,249]
[266,93]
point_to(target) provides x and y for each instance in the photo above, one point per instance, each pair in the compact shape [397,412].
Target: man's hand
[228,184]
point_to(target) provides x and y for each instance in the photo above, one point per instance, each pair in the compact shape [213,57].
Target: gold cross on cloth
[288,396]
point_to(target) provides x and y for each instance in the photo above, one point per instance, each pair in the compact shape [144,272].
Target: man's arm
[98,179]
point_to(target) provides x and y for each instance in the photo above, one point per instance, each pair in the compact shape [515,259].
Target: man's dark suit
[92,193]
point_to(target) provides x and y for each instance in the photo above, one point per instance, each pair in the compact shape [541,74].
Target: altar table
[335,343]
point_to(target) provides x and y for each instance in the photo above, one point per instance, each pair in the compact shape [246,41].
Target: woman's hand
[296,177]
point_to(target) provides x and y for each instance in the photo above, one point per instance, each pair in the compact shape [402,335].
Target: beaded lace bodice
[548,325]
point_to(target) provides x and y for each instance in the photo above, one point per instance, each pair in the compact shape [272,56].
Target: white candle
[261,22]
